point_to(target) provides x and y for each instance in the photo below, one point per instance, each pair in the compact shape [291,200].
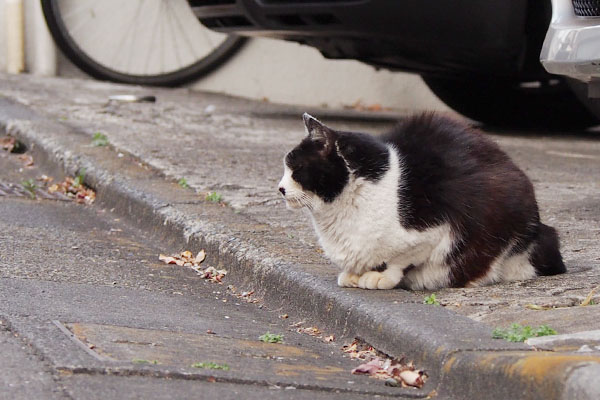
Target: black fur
[455,174]
[320,162]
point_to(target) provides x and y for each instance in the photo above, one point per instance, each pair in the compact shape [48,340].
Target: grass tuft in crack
[271,338]
[99,139]
[519,333]
[30,186]
[210,365]
[213,197]
[431,300]
[78,180]
[183,183]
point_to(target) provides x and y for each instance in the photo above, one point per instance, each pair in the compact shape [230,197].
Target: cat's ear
[317,131]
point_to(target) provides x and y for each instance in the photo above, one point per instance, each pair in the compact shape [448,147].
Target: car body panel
[572,44]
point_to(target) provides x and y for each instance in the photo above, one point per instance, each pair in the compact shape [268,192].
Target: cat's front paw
[375,280]
[347,279]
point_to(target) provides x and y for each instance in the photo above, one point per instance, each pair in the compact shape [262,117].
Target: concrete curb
[460,354]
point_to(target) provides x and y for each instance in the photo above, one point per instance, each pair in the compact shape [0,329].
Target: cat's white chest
[361,228]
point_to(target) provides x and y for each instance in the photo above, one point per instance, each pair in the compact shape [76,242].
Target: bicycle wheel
[144,42]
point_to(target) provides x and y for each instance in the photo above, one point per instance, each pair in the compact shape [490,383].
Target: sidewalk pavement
[235,148]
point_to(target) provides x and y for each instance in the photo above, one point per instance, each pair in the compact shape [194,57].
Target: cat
[434,203]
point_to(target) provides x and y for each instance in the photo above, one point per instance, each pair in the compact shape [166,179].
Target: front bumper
[572,44]
[425,36]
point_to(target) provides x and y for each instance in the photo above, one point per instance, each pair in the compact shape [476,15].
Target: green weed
[99,140]
[183,183]
[30,186]
[78,181]
[431,300]
[210,365]
[213,197]
[518,333]
[271,338]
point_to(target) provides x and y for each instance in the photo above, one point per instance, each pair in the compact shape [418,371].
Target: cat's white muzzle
[291,191]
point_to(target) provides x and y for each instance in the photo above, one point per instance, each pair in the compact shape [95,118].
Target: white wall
[285,72]
[279,71]
[40,52]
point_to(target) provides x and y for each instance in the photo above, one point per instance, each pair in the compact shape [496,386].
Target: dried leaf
[46,179]
[27,160]
[74,190]
[8,143]
[360,351]
[200,257]
[413,378]
[311,330]
[167,259]
[589,297]
[329,339]
[370,368]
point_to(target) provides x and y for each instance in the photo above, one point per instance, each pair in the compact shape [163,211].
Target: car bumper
[572,44]
[424,36]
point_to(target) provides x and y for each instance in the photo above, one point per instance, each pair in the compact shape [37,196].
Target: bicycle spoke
[115,60]
[171,30]
[184,35]
[161,38]
[135,28]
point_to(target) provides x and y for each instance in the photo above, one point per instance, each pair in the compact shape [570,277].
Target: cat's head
[314,171]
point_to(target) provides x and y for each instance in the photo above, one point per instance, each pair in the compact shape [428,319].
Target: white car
[572,47]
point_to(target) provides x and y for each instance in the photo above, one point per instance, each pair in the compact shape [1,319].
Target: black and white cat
[432,204]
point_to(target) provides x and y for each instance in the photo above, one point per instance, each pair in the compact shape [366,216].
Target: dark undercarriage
[424,36]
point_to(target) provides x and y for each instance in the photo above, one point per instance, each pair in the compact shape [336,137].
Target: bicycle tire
[69,47]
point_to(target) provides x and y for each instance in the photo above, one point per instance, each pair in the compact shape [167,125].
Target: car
[572,48]
[482,58]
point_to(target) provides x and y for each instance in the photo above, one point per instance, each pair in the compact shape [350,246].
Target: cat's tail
[545,256]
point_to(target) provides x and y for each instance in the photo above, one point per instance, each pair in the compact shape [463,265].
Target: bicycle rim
[147,42]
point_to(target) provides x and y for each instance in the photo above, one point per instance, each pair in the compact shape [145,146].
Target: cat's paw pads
[375,280]
[347,279]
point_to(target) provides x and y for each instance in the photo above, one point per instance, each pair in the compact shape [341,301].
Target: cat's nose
[282,190]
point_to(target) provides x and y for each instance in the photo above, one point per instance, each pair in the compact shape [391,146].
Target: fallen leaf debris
[246,296]
[187,259]
[392,371]
[10,144]
[312,331]
[27,160]
[74,189]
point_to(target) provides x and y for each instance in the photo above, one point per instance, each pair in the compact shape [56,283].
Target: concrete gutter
[462,359]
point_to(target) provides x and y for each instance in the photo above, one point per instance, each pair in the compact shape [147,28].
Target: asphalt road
[87,311]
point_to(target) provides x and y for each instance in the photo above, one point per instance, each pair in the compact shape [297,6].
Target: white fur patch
[508,268]
[361,229]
